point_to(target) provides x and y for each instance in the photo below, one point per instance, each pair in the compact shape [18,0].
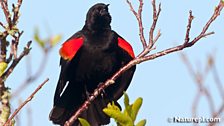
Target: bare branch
[10,29]
[25,102]
[1,24]
[152,41]
[157,37]
[195,104]
[189,44]
[16,12]
[190,19]
[216,13]
[219,112]
[5,9]
[15,43]
[3,43]
[139,19]
[31,77]
[15,62]
[155,18]
[199,78]
[218,82]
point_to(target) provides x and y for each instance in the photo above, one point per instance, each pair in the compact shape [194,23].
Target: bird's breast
[96,64]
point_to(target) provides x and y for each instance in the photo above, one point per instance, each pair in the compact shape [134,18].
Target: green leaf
[127,109]
[83,122]
[128,117]
[141,123]
[55,40]
[126,100]
[135,108]
[119,117]
[37,38]
[3,66]
[113,106]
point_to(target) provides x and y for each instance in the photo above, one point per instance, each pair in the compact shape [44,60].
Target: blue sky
[164,83]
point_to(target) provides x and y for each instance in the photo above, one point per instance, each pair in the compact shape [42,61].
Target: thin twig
[157,37]
[15,43]
[218,82]
[32,77]
[139,19]
[221,91]
[1,24]
[16,12]
[220,111]
[152,41]
[25,102]
[155,18]
[15,62]
[216,13]
[195,105]
[190,19]
[202,90]
[5,9]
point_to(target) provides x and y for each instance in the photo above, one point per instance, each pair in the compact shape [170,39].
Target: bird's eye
[105,9]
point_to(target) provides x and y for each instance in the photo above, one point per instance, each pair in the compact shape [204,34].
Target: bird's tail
[59,115]
[94,114]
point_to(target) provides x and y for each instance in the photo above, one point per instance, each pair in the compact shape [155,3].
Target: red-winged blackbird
[88,58]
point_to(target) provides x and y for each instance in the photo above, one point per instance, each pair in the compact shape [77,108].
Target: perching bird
[88,58]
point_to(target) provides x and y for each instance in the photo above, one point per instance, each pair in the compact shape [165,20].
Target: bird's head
[98,17]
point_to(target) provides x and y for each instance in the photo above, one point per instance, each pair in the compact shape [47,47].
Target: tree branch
[139,19]
[25,102]
[190,19]
[199,78]
[15,62]
[9,29]
[4,5]
[31,77]
[16,11]
[152,41]
[155,18]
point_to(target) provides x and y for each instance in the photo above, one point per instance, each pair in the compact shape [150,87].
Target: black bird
[88,58]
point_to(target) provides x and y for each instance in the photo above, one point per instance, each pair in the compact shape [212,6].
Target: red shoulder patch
[70,48]
[126,46]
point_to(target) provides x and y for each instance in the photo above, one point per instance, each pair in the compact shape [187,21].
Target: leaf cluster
[122,118]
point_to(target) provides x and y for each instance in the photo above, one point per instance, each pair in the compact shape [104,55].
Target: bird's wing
[68,52]
[126,54]
[123,44]
[70,47]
